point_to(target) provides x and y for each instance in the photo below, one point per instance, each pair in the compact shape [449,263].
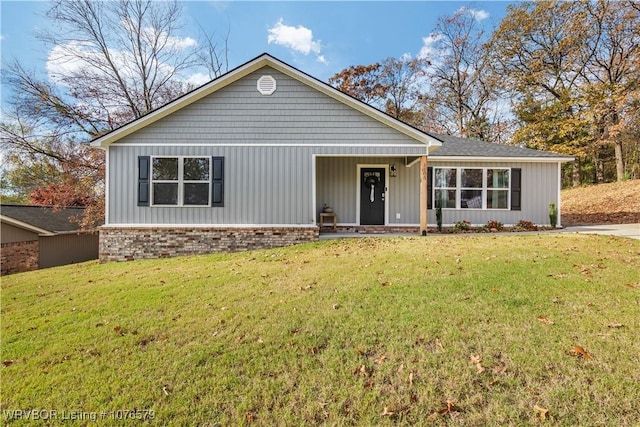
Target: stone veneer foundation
[129,243]
[19,256]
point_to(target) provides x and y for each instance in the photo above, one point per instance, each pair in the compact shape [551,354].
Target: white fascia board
[25,226]
[438,159]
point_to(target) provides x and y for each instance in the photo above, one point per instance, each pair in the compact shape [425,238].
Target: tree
[539,50]
[109,63]
[393,86]
[363,82]
[462,90]
[573,71]
[611,76]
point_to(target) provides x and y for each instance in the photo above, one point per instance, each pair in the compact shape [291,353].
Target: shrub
[553,215]
[494,225]
[462,226]
[526,225]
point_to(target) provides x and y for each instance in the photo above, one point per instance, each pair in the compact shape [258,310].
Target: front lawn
[455,330]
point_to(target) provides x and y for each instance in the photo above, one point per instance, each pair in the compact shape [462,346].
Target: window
[497,188]
[472,188]
[446,182]
[180,181]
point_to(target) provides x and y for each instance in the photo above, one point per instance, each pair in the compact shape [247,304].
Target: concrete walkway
[622,230]
[631,231]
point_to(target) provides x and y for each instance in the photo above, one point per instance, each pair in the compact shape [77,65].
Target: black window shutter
[429,188]
[516,185]
[217,182]
[144,166]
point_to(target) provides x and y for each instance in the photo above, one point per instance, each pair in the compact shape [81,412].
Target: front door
[372,192]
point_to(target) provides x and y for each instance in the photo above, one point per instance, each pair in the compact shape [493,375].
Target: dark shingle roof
[44,217]
[465,147]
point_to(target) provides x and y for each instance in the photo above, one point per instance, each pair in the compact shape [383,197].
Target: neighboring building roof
[44,220]
[243,70]
[456,147]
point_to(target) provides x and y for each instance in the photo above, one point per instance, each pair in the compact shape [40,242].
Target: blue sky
[319,37]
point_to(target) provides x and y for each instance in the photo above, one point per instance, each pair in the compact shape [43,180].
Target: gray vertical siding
[272,145]
[337,186]
[12,234]
[66,249]
[539,188]
[268,143]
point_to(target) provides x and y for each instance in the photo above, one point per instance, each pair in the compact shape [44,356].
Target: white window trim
[181,182]
[459,188]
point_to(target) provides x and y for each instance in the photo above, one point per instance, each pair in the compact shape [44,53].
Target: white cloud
[198,79]
[428,50]
[478,15]
[1,37]
[300,39]
[181,43]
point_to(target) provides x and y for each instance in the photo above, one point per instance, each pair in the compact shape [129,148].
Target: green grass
[335,332]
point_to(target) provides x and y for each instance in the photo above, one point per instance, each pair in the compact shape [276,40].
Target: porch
[371,195]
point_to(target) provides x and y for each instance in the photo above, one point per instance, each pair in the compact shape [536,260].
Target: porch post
[423,195]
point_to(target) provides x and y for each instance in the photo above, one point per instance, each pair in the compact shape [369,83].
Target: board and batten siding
[66,249]
[268,143]
[337,187]
[12,234]
[539,189]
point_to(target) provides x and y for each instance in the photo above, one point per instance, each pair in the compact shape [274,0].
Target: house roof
[466,148]
[243,70]
[440,146]
[44,220]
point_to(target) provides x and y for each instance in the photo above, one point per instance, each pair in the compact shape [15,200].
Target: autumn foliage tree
[572,69]
[393,86]
[109,63]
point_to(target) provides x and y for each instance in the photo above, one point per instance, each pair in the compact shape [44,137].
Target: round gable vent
[266,85]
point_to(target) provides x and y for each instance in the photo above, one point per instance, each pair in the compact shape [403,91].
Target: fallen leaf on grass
[543,412]
[450,408]
[386,412]
[499,369]
[362,370]
[580,352]
[249,417]
[7,362]
[615,325]
[545,320]
[477,360]
[380,360]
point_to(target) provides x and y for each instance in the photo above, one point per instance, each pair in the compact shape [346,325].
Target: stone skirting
[129,243]
[19,256]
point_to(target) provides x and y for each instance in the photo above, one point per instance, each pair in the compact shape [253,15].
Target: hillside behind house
[613,203]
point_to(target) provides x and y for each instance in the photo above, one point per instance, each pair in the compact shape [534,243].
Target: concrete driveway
[622,230]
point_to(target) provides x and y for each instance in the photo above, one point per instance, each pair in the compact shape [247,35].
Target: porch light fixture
[393,171]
